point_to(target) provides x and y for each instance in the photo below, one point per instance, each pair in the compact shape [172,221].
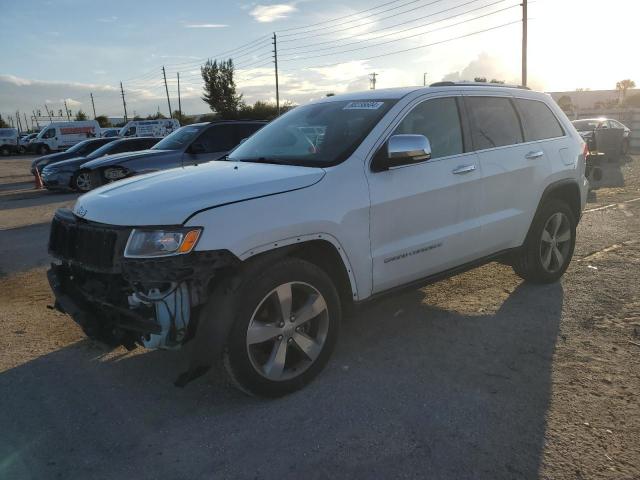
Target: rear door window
[538,121]
[438,120]
[494,122]
[245,130]
[218,138]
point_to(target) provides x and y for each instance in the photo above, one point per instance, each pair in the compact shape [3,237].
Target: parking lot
[478,376]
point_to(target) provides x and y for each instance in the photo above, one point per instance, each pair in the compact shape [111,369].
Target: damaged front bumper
[150,302]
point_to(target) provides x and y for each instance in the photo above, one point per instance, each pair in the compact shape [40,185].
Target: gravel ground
[478,376]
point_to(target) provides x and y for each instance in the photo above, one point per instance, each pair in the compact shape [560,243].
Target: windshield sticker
[363,105]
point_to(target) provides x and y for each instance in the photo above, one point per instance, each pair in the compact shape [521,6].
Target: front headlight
[161,243]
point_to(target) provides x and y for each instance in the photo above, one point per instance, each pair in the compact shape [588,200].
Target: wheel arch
[321,249]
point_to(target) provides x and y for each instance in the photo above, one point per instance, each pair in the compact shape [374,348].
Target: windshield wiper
[274,161]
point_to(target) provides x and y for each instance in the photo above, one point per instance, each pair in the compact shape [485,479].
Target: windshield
[179,139]
[582,125]
[315,135]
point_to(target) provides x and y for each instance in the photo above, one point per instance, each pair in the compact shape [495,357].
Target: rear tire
[549,246]
[43,150]
[287,319]
[5,151]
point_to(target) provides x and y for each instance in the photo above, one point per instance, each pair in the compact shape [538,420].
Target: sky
[60,50]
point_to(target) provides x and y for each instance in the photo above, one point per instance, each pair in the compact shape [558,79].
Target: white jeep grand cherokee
[257,259]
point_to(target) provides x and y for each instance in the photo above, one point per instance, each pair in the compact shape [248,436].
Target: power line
[395,52]
[328,32]
[400,24]
[402,38]
[351,21]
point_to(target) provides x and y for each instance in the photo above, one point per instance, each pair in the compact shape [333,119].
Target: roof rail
[476,84]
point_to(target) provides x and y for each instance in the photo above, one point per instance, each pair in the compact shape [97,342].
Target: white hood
[168,197]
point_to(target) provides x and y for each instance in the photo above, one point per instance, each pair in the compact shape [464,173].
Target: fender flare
[300,239]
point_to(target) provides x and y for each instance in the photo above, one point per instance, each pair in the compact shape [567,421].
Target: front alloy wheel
[287,331]
[287,317]
[82,182]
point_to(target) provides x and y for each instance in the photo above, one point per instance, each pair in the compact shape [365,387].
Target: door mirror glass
[402,149]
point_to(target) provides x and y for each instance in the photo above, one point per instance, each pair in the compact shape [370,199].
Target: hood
[70,164]
[51,158]
[122,158]
[169,197]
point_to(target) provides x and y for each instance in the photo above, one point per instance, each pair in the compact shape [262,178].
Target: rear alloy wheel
[82,182]
[548,249]
[285,330]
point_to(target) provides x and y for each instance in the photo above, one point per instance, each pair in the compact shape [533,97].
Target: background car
[81,149]
[109,132]
[604,135]
[67,174]
[190,145]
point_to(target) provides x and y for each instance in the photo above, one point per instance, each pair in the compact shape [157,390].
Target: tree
[80,115]
[156,116]
[480,79]
[183,119]
[623,85]
[565,103]
[3,124]
[103,121]
[493,80]
[220,88]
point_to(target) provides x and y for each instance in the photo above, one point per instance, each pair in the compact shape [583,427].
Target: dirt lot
[479,376]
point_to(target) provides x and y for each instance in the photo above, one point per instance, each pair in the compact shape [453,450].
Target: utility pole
[524,43]
[179,104]
[36,119]
[124,103]
[424,79]
[18,122]
[11,120]
[372,80]
[275,61]
[26,124]
[66,110]
[164,74]
[93,105]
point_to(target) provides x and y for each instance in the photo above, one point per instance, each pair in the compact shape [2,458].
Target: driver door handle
[534,155]
[464,169]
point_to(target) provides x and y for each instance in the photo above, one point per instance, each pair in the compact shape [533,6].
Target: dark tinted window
[438,120]
[92,145]
[494,122]
[245,130]
[538,121]
[218,138]
[146,142]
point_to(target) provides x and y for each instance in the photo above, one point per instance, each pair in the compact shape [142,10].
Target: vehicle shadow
[424,393]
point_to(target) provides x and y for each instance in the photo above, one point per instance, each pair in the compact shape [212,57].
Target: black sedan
[190,145]
[604,135]
[81,149]
[67,174]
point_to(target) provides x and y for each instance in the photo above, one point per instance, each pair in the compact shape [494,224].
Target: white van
[8,140]
[149,128]
[62,135]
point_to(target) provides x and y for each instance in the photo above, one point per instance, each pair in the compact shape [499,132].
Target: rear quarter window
[494,122]
[538,120]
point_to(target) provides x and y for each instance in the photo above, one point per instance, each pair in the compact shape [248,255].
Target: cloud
[205,25]
[110,19]
[271,13]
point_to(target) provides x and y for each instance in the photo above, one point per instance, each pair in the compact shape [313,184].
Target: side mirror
[403,149]
[197,148]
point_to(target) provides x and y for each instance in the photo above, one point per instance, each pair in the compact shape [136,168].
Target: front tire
[549,246]
[286,325]
[81,181]
[43,150]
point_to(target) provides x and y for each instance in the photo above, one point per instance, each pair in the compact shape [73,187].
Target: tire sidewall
[74,182]
[535,238]
[248,298]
